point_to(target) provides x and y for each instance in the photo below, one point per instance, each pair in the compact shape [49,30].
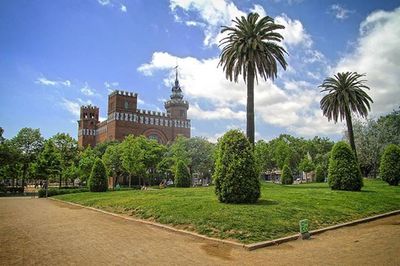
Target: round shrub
[182,176]
[319,174]
[98,181]
[343,171]
[287,177]
[390,165]
[235,175]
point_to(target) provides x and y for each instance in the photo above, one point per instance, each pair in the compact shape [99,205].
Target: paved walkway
[40,231]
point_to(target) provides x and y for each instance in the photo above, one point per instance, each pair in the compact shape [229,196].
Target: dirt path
[39,231]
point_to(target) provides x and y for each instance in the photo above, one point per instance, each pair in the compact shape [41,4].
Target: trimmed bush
[182,176]
[319,174]
[98,181]
[287,177]
[56,191]
[344,172]
[235,176]
[390,165]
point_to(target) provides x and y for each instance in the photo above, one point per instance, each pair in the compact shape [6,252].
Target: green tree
[345,96]
[263,154]
[67,148]
[10,161]
[390,165]
[390,128]
[319,174]
[369,144]
[182,176]
[86,161]
[112,159]
[287,177]
[48,163]
[98,181]
[252,48]
[133,158]
[153,153]
[101,148]
[306,165]
[343,172]
[201,153]
[235,175]
[179,152]
[29,143]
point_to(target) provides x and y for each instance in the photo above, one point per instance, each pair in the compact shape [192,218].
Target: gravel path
[40,231]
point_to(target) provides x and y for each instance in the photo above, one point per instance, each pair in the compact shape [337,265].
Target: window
[155,137]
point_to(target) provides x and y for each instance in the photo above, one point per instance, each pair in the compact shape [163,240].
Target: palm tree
[251,48]
[345,95]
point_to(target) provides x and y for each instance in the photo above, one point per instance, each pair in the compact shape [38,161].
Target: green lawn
[275,215]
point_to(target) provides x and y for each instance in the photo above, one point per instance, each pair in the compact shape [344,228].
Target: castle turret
[89,118]
[177,110]
[177,107]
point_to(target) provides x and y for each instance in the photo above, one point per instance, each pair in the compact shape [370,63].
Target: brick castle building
[124,118]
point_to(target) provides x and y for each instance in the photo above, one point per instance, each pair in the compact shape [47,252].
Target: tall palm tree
[251,48]
[345,95]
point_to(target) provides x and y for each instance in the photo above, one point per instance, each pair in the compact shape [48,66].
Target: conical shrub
[389,169]
[98,181]
[235,173]
[182,176]
[287,177]
[344,172]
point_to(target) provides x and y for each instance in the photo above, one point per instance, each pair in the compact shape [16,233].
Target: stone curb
[318,231]
[232,243]
[170,228]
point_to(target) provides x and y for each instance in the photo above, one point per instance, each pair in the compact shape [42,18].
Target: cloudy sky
[58,55]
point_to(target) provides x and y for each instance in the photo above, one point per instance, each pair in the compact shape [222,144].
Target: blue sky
[58,55]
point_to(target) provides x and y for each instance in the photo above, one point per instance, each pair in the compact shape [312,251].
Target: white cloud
[71,106]
[86,90]
[56,83]
[111,86]
[104,2]
[339,11]
[216,114]
[113,4]
[74,107]
[377,54]
[216,13]
[213,14]
[294,32]
[294,107]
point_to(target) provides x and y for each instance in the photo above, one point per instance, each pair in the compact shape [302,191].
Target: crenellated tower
[89,118]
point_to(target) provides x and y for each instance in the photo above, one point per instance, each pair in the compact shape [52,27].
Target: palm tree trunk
[250,105]
[350,131]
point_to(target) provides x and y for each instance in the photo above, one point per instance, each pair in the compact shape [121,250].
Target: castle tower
[121,108]
[89,118]
[177,108]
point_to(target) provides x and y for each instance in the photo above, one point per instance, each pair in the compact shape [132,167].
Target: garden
[276,214]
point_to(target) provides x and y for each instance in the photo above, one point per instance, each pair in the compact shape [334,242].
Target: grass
[275,215]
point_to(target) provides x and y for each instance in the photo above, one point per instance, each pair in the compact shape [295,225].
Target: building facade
[124,118]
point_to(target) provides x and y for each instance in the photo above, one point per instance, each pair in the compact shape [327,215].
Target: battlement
[123,93]
[153,113]
[89,107]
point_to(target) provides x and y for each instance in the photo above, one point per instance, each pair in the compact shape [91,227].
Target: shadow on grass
[266,202]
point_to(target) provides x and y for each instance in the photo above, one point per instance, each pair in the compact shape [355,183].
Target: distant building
[124,118]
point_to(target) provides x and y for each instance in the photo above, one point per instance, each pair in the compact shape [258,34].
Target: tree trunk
[250,105]
[59,186]
[24,170]
[350,131]
[130,178]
